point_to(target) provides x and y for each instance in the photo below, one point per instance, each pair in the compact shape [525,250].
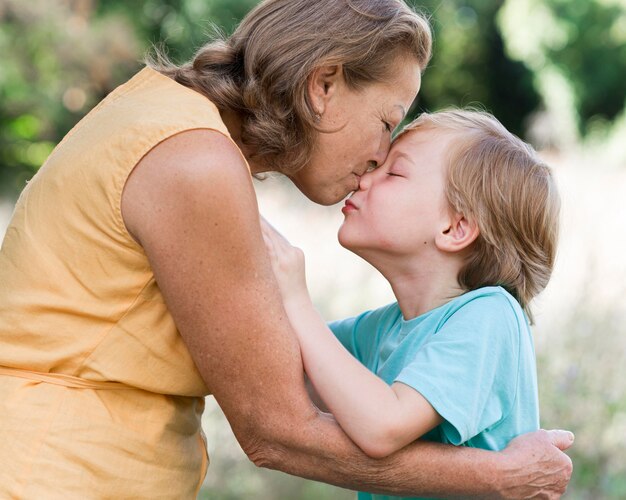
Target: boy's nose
[365,180]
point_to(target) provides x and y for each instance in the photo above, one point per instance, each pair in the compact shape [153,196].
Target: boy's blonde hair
[499,181]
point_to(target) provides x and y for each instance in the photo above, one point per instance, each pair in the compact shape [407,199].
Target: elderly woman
[135,279]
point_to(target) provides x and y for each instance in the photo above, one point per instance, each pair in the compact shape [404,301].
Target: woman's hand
[288,265]
[533,466]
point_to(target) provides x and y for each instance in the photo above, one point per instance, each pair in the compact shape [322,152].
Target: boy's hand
[287,263]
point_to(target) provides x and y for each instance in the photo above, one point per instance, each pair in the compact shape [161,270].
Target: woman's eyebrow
[401,109]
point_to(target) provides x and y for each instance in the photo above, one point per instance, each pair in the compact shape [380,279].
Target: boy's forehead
[428,143]
[417,137]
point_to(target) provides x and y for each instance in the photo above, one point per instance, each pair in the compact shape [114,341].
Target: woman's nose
[383,150]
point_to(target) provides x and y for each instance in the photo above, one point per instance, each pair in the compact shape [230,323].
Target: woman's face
[356,128]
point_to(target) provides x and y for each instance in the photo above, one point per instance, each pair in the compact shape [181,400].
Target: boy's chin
[343,238]
[346,242]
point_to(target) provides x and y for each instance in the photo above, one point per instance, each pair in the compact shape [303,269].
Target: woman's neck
[232,121]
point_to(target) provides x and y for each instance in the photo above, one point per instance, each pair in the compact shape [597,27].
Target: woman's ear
[457,234]
[322,86]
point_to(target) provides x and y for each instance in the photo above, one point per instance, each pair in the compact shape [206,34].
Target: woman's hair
[498,181]
[261,70]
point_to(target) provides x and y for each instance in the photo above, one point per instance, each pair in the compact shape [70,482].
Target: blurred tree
[58,60]
[60,57]
[179,26]
[469,65]
[577,53]
[567,57]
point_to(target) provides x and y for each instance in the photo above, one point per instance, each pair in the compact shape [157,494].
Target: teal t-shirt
[472,358]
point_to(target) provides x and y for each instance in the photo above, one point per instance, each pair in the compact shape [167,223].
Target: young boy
[462,221]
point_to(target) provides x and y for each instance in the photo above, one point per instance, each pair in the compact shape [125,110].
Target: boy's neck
[417,295]
[421,285]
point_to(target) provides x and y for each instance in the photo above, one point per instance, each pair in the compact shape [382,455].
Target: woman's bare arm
[191,205]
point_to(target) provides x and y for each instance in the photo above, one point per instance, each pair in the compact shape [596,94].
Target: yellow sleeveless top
[99,397]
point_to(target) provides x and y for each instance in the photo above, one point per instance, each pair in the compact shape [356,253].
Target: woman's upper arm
[191,205]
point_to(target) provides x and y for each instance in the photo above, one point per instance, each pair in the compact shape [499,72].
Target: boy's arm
[380,419]
[315,397]
[531,466]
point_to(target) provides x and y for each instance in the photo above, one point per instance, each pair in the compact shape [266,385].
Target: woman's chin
[322,194]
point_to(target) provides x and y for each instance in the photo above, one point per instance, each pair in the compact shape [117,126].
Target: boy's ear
[322,85]
[457,234]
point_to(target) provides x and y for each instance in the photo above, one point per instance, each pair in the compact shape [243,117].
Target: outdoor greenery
[553,71]
[60,57]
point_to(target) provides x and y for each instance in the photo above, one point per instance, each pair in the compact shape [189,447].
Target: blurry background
[553,71]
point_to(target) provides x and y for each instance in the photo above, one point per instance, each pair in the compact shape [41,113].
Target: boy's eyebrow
[401,154]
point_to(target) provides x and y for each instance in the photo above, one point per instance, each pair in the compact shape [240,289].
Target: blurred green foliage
[60,57]
[576,51]
[470,65]
[58,60]
[551,70]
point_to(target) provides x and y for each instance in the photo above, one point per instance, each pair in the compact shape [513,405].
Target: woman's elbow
[271,442]
[262,451]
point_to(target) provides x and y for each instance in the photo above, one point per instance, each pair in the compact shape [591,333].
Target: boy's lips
[349,206]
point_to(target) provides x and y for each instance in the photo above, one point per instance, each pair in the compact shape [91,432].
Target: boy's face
[401,206]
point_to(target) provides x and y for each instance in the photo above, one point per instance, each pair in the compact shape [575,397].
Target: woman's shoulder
[151,105]
[130,122]
[202,165]
[200,154]
[183,130]
[156,97]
